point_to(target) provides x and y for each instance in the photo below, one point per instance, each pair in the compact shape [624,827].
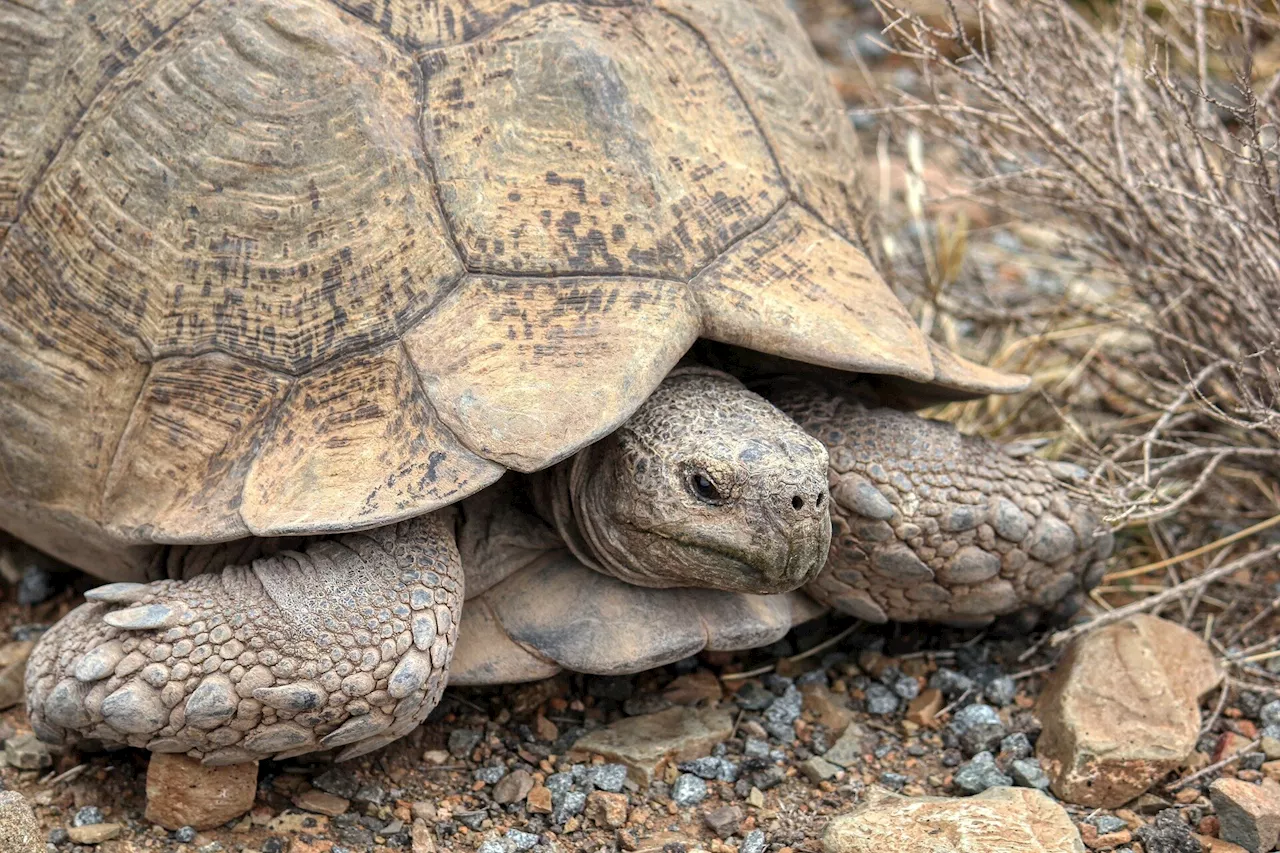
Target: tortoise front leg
[932,524]
[345,644]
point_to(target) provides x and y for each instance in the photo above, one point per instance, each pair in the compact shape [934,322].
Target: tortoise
[312,304]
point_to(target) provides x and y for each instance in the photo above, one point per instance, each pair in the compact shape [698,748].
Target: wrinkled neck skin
[627,506]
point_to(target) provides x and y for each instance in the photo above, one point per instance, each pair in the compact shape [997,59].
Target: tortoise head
[706,485]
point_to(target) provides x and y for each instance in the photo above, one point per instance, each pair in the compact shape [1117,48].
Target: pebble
[94,833]
[1000,820]
[893,781]
[755,842]
[36,586]
[643,743]
[569,805]
[337,782]
[1027,773]
[462,741]
[88,815]
[979,774]
[782,713]
[19,831]
[688,790]
[606,809]
[27,752]
[723,821]
[905,687]
[185,834]
[881,701]
[953,684]
[183,792]
[1016,745]
[515,786]
[818,769]
[978,728]
[1270,713]
[1169,833]
[711,768]
[1000,691]
[752,697]
[321,802]
[611,777]
[491,775]
[521,840]
[1107,824]
[1249,815]
[1122,709]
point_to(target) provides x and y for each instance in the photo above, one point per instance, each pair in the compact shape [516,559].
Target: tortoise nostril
[797,502]
[821,500]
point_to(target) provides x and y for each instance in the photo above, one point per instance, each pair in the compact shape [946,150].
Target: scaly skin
[931,524]
[343,645]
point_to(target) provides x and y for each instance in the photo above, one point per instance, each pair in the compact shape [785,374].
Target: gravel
[1168,834]
[608,777]
[979,774]
[87,816]
[570,805]
[1016,746]
[688,790]
[977,728]
[881,701]
[1026,773]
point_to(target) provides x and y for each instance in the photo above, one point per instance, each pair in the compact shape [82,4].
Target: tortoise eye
[703,488]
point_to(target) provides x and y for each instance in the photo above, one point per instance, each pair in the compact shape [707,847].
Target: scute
[622,146]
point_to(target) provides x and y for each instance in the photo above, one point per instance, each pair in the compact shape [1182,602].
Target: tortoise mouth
[757,569]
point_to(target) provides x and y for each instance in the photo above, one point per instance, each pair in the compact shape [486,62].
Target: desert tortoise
[286,281]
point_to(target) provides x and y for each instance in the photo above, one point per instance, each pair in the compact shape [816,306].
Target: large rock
[646,742]
[183,792]
[19,831]
[999,820]
[1122,709]
[13,666]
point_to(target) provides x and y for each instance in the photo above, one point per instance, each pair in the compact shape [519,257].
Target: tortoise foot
[344,645]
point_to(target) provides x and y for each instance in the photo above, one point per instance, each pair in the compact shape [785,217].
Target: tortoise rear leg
[928,523]
[345,644]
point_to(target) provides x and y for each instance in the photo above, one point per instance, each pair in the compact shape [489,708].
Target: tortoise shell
[318,265]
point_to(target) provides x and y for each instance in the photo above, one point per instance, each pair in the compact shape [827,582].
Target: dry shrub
[1151,144]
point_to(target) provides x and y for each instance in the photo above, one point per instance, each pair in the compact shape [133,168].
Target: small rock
[544,729]
[606,809]
[847,751]
[513,787]
[184,834]
[19,831]
[754,842]
[337,782]
[643,743]
[1027,773]
[1016,746]
[183,792]
[539,800]
[818,769]
[13,660]
[688,790]
[321,803]
[1249,814]
[608,777]
[94,833]
[828,709]
[711,768]
[1169,833]
[1000,691]
[27,752]
[491,774]
[1270,713]
[950,683]
[979,774]
[881,701]
[695,687]
[978,728]
[1107,824]
[521,840]
[36,586]
[1001,820]
[723,821]
[923,710]
[462,741]
[88,815]
[1122,709]
[421,839]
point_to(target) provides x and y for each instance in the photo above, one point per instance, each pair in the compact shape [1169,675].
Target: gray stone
[978,728]
[688,790]
[521,840]
[1015,746]
[818,769]
[19,830]
[1026,773]
[1107,824]
[462,741]
[1000,691]
[1270,713]
[753,843]
[88,815]
[570,805]
[847,751]
[1169,833]
[491,775]
[979,774]
[26,752]
[952,684]
[881,701]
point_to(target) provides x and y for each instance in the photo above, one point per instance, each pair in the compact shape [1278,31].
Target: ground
[1003,304]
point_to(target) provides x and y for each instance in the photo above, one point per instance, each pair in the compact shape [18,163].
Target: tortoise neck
[560,497]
